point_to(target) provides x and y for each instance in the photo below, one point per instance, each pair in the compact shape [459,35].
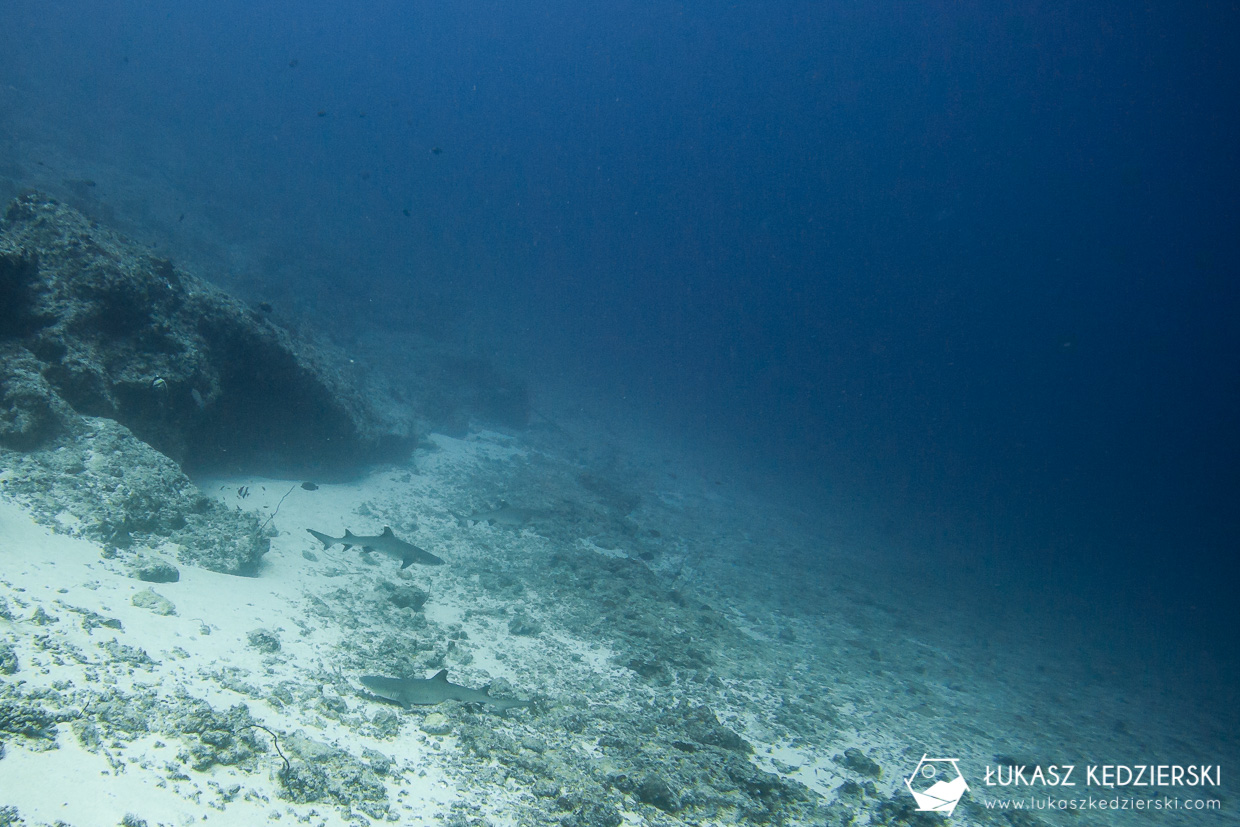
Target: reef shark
[429,691]
[505,515]
[385,543]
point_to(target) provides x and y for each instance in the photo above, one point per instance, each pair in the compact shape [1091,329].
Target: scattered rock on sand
[154,569]
[149,599]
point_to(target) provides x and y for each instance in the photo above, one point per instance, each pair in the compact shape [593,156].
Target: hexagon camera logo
[937,785]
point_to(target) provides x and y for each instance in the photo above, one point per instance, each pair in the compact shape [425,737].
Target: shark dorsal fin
[387,531]
[441,676]
[347,534]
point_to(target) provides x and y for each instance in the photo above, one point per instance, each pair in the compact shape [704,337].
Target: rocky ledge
[118,370]
[92,325]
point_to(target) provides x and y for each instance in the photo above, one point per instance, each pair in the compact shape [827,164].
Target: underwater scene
[544,414]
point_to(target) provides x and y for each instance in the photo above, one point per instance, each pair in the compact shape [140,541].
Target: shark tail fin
[327,542]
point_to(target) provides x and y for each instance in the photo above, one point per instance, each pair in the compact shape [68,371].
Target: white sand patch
[66,577]
[81,788]
[807,764]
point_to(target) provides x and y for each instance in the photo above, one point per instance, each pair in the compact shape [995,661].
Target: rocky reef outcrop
[92,325]
[103,483]
[118,370]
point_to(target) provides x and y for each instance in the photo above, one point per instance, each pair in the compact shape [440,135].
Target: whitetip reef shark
[435,690]
[506,515]
[385,543]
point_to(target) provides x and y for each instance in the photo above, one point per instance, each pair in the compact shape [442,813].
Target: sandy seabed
[694,658]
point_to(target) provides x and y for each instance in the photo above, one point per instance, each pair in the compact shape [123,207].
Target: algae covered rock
[8,660]
[436,723]
[264,640]
[860,763]
[152,601]
[524,626]
[319,772]
[91,324]
[25,718]
[31,412]
[101,482]
[154,569]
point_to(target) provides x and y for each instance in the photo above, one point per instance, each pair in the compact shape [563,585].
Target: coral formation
[92,325]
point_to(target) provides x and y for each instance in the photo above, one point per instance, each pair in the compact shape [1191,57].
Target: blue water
[973,265]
